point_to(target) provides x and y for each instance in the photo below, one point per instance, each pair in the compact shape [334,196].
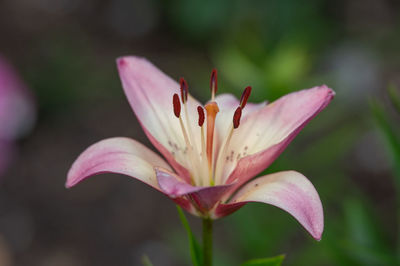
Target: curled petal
[117,155]
[290,191]
[149,92]
[204,197]
[264,134]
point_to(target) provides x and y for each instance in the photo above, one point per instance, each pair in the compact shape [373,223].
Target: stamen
[213,83]
[212,110]
[224,147]
[177,111]
[192,147]
[200,110]
[236,117]
[184,96]
[204,160]
[184,90]
[177,105]
[188,146]
[245,96]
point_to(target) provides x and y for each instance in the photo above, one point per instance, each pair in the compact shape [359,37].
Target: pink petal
[264,134]
[150,93]
[117,155]
[290,191]
[204,197]
[17,108]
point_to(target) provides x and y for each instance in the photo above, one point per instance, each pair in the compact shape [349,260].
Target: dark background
[65,51]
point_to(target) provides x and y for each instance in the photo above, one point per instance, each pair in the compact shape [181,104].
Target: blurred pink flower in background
[17,111]
[209,167]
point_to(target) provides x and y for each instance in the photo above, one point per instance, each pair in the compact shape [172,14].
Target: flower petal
[227,104]
[117,155]
[204,197]
[290,191]
[264,134]
[17,107]
[150,93]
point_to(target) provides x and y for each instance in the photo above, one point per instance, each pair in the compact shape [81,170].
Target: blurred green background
[65,50]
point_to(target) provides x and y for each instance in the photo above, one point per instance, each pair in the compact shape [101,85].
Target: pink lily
[212,152]
[17,111]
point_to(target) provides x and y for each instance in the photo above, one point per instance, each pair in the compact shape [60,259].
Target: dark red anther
[184,90]
[236,117]
[200,110]
[214,82]
[245,96]
[177,105]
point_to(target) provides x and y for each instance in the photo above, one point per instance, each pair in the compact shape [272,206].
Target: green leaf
[364,243]
[394,96]
[390,135]
[274,261]
[195,249]
[146,261]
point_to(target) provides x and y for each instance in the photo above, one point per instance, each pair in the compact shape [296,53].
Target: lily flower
[211,152]
[17,112]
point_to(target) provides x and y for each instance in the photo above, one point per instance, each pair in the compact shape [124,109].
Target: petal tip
[70,181]
[317,236]
[121,61]
[124,61]
[330,92]
[317,227]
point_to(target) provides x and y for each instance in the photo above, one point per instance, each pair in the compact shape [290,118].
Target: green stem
[207,241]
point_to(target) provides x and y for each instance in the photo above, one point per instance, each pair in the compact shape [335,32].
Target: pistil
[212,110]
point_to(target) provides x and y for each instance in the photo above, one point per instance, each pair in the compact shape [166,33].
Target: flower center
[206,165]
